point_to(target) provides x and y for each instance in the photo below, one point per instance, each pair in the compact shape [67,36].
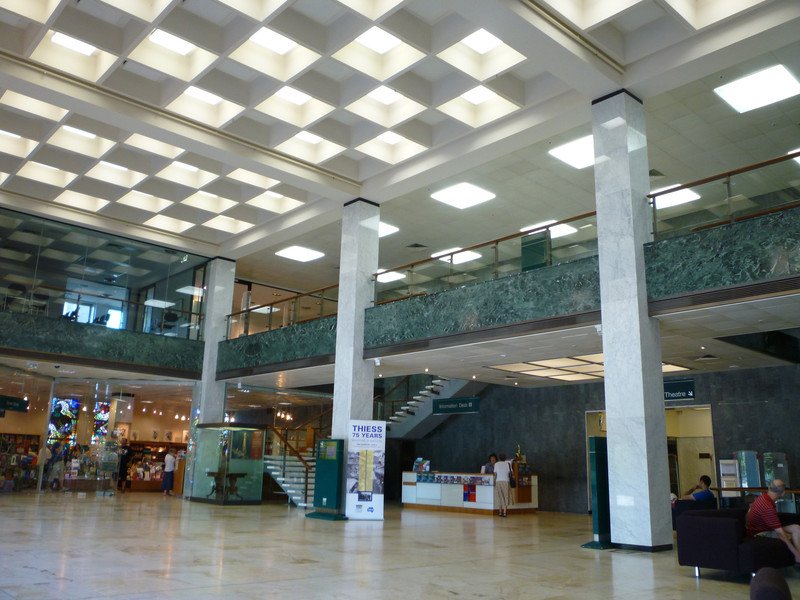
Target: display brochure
[366,453]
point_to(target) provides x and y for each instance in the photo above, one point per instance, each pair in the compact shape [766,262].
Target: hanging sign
[683,389]
[366,457]
[15,404]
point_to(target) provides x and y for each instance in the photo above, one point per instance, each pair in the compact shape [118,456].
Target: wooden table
[219,484]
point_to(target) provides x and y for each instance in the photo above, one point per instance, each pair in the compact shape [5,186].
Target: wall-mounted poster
[185,436]
[366,457]
[168,436]
[134,435]
[155,434]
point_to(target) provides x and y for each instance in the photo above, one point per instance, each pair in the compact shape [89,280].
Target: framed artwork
[134,435]
[185,436]
[155,434]
[168,436]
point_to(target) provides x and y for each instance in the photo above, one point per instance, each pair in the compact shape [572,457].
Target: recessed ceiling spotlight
[577,153]
[463,195]
[759,89]
[299,253]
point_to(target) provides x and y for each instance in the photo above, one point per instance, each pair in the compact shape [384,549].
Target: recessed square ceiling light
[559,363]
[668,368]
[378,40]
[460,257]
[578,153]
[555,232]
[797,158]
[385,95]
[575,377]
[158,303]
[463,195]
[272,40]
[675,198]
[202,95]
[73,44]
[185,167]
[79,132]
[309,137]
[390,137]
[759,89]
[299,254]
[478,95]
[548,372]
[385,229]
[292,95]
[482,41]
[11,135]
[113,166]
[389,276]
[513,367]
[168,224]
[171,42]
[595,358]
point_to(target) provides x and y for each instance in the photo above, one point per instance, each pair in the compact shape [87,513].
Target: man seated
[700,491]
[762,519]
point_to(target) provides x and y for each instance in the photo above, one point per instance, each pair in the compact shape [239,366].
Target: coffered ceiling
[237,127]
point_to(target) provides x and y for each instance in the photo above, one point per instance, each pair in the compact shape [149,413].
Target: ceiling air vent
[416,245]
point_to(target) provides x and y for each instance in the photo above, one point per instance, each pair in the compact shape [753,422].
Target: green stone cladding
[60,336]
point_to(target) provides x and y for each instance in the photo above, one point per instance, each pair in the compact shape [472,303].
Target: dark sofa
[715,539]
[681,506]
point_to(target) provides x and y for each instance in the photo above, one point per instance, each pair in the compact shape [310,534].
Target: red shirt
[762,516]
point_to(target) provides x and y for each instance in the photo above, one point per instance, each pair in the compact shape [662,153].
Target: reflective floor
[146,546]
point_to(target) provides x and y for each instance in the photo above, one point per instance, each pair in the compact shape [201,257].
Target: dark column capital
[612,94]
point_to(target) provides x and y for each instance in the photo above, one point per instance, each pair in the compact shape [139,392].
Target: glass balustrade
[744,193]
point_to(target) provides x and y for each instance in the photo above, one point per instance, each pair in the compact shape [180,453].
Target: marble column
[634,396]
[353,377]
[208,398]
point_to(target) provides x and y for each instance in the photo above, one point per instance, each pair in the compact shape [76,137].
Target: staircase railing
[286,446]
[380,401]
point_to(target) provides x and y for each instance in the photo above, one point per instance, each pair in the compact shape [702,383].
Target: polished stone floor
[146,546]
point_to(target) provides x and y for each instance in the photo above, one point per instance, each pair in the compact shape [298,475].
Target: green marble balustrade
[294,342]
[557,290]
[63,337]
[758,249]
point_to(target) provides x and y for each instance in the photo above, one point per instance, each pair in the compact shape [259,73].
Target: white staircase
[294,479]
[415,419]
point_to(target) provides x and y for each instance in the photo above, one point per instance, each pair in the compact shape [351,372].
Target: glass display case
[229,464]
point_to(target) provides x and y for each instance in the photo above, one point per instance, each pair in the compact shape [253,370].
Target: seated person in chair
[700,491]
[763,520]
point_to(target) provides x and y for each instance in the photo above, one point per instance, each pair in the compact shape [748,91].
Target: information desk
[465,492]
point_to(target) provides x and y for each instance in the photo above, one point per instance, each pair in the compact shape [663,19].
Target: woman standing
[502,470]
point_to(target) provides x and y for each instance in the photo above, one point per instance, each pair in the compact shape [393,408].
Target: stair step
[440,381]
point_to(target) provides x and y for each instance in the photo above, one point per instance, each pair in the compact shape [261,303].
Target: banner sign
[366,457]
[683,389]
[468,404]
[15,404]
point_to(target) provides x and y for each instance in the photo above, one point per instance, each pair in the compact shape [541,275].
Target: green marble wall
[311,338]
[561,289]
[61,336]
[758,249]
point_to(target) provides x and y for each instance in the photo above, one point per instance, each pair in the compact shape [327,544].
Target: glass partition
[67,272]
[229,464]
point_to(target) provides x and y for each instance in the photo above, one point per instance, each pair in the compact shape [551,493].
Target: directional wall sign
[683,389]
[11,403]
[468,404]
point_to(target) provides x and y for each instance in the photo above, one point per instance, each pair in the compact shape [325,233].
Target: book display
[18,459]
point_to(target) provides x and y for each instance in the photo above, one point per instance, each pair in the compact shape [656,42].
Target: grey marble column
[354,376]
[208,398]
[634,396]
